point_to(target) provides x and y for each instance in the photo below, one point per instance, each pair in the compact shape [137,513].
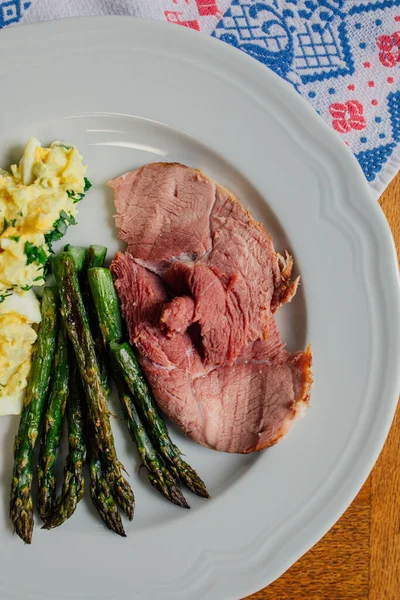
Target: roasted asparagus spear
[79,254]
[100,490]
[158,474]
[109,316]
[21,505]
[126,360]
[52,428]
[95,258]
[77,325]
[73,485]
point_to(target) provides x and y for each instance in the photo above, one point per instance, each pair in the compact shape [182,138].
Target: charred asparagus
[21,505]
[76,322]
[52,428]
[107,308]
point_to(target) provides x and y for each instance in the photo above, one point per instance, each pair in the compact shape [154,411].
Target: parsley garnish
[26,288]
[5,225]
[13,222]
[62,145]
[15,238]
[69,219]
[4,296]
[38,278]
[60,228]
[35,254]
[75,196]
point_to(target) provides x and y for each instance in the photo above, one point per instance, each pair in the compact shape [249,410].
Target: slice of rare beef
[198,288]
[198,237]
[240,406]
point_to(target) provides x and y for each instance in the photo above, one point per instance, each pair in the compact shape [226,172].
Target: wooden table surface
[359,558]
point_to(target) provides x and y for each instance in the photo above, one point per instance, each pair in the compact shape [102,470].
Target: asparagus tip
[116,526]
[192,480]
[49,524]
[175,495]
[23,527]
[179,500]
[201,490]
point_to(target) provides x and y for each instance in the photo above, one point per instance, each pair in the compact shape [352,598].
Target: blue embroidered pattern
[371,6]
[394,111]
[11,11]
[372,161]
[303,43]
[308,42]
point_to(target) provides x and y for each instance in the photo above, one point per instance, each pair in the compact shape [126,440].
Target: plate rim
[341,153]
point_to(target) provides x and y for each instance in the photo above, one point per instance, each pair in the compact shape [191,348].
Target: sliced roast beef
[169,214]
[178,314]
[164,211]
[198,289]
[239,407]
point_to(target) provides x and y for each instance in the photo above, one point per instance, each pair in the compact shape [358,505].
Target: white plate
[128,92]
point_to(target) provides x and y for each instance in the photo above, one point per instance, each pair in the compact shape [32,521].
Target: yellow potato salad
[38,200]
[18,314]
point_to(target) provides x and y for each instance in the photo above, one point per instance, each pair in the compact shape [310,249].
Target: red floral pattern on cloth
[389,49]
[347,116]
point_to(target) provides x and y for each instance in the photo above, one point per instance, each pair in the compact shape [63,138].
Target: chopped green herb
[38,278]
[60,229]
[62,145]
[35,254]
[13,222]
[15,238]
[20,214]
[5,225]
[69,219]
[75,196]
[26,288]
[4,296]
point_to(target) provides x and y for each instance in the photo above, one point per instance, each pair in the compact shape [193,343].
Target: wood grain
[359,558]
